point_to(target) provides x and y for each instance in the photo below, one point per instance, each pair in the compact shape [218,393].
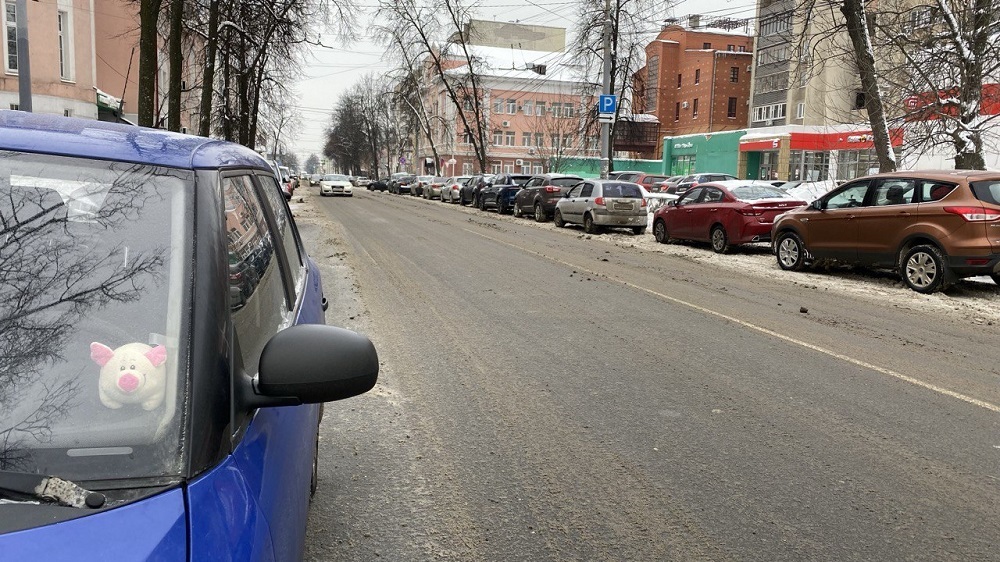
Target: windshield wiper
[50,488]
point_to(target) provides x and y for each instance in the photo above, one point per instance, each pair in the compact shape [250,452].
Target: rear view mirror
[817,205]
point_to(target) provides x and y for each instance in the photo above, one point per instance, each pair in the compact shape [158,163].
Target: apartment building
[696,78]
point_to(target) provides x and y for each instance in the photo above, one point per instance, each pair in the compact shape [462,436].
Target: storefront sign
[859,138]
[678,145]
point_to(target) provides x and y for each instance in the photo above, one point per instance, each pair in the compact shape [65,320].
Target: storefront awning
[822,142]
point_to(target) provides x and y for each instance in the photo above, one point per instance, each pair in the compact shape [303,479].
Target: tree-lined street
[547,395]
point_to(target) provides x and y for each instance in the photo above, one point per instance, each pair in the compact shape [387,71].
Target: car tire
[540,214]
[588,225]
[516,211]
[790,252]
[660,233]
[995,277]
[556,218]
[638,230]
[482,204]
[500,208]
[720,241]
[924,269]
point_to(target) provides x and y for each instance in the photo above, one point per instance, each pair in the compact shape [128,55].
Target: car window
[257,294]
[757,192]
[94,297]
[690,197]
[719,177]
[986,191]
[564,182]
[649,180]
[893,192]
[588,190]
[713,195]
[631,191]
[935,190]
[851,195]
[285,228]
[575,192]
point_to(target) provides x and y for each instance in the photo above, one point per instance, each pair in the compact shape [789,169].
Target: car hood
[336,183]
[151,528]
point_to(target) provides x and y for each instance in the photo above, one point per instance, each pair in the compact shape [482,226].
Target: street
[550,395]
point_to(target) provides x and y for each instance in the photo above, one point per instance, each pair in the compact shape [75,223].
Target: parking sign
[607,103]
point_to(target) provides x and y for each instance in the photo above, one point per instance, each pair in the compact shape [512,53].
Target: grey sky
[330,72]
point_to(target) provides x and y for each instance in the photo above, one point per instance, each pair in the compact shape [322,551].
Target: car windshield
[622,190]
[757,192]
[440,179]
[92,303]
[334,177]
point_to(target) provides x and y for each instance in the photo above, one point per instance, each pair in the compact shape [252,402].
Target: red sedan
[723,213]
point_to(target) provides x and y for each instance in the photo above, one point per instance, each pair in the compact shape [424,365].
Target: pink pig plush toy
[135,373]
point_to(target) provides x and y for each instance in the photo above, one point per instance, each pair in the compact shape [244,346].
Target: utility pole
[606,127]
[23,63]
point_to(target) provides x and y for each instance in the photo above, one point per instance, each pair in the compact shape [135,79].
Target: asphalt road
[545,395]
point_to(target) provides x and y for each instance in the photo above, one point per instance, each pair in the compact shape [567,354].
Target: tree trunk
[208,77]
[176,66]
[859,32]
[968,138]
[149,12]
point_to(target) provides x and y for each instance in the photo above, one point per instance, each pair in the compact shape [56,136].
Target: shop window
[809,165]
[682,165]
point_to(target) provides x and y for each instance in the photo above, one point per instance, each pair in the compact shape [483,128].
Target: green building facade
[701,153]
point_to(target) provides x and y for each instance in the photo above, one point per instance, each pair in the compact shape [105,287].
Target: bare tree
[149,17]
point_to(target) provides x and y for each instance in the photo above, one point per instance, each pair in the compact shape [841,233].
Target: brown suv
[933,227]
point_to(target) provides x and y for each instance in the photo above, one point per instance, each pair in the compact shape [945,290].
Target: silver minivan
[602,203]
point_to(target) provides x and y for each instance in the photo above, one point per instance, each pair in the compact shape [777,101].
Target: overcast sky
[328,72]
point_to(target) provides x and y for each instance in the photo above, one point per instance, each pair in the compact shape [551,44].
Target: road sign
[607,104]
[606,118]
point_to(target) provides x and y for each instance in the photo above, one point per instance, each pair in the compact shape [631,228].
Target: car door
[890,208]
[701,215]
[679,223]
[832,232]
[571,206]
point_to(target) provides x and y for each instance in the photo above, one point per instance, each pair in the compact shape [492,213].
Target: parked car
[336,184]
[651,182]
[417,189]
[597,204]
[624,175]
[171,412]
[725,214]
[314,179]
[378,185]
[432,189]
[469,193]
[540,194]
[687,182]
[362,181]
[933,227]
[451,188]
[665,185]
[499,193]
[402,184]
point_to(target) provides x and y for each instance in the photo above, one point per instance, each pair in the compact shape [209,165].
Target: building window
[525,139]
[706,45]
[743,48]
[556,109]
[771,83]
[694,108]
[555,141]
[568,110]
[769,55]
[498,106]
[734,74]
[682,165]
[809,165]
[800,112]
[778,23]
[15,106]
[512,106]
[10,35]
[539,139]
[65,45]
[526,167]
[731,109]
[508,168]
[730,47]
[856,163]
[540,108]
[497,138]
[568,141]
[509,138]
[528,107]
[495,168]
[466,168]
[467,104]
[697,76]
[678,80]
[466,138]
[67,113]
[536,170]
[652,82]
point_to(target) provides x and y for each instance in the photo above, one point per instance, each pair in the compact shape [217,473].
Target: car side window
[851,195]
[712,195]
[690,197]
[934,190]
[588,190]
[257,292]
[285,228]
[577,189]
[893,192]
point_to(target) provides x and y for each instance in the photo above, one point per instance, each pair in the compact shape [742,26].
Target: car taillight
[749,212]
[695,184]
[974,214]
[599,201]
[551,189]
[643,202]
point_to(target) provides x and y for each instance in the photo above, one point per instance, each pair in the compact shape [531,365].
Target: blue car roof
[86,138]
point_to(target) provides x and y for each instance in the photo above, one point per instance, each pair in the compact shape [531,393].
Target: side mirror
[313,363]
[817,205]
[672,203]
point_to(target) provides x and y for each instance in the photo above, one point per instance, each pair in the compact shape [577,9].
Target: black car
[378,185]
[402,184]
[690,181]
[539,196]
[470,191]
[500,192]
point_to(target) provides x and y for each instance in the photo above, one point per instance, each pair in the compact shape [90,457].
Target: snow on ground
[975,300]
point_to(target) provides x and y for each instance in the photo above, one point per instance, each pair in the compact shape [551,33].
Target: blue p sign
[607,104]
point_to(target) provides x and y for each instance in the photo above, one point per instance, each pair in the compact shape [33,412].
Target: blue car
[163,357]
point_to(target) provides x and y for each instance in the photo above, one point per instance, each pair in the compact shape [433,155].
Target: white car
[335,184]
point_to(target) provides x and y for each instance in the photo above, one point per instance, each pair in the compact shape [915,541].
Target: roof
[516,63]
[100,140]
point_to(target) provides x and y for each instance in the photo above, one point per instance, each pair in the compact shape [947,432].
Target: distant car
[932,227]
[336,184]
[432,190]
[377,185]
[314,179]
[469,194]
[451,188]
[624,175]
[665,185]
[417,189]
[694,179]
[597,204]
[725,214]
[651,182]
[362,181]
[540,194]
[402,184]
[171,411]
[500,192]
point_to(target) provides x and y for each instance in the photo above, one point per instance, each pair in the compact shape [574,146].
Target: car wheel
[482,204]
[995,277]
[660,232]
[556,218]
[638,230]
[790,252]
[540,213]
[720,242]
[500,208]
[923,268]
[588,225]
[516,210]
